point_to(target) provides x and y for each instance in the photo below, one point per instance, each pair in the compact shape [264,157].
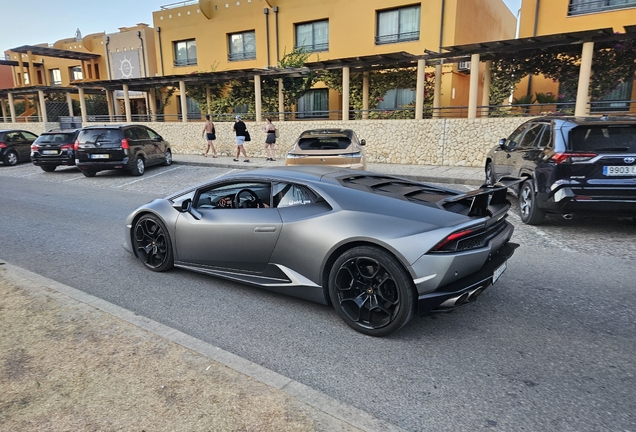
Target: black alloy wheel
[528,210]
[167,161]
[139,167]
[151,243]
[11,158]
[48,168]
[490,174]
[371,291]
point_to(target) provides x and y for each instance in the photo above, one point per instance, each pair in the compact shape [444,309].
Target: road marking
[74,178]
[148,177]
[29,175]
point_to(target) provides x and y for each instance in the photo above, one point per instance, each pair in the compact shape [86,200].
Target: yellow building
[540,18]
[215,35]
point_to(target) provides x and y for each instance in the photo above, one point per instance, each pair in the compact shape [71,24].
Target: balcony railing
[314,47]
[398,37]
[186,62]
[246,55]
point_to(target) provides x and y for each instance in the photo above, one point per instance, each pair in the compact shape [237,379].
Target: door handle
[265,229]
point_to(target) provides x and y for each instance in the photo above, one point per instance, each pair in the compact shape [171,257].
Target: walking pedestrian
[270,140]
[209,133]
[240,129]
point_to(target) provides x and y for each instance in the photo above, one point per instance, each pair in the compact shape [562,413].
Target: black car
[15,146]
[54,148]
[128,147]
[572,165]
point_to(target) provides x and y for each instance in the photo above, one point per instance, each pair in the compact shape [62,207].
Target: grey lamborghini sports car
[379,248]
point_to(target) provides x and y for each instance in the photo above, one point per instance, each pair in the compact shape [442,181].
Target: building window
[314,104]
[55,76]
[616,100]
[398,25]
[397,99]
[194,111]
[185,53]
[579,7]
[242,46]
[313,36]
[76,73]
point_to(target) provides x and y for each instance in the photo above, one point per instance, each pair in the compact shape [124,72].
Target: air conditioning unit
[464,66]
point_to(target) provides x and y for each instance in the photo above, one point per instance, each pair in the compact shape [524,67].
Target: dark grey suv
[129,147]
[572,165]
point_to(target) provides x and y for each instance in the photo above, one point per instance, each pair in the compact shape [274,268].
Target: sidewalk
[473,176]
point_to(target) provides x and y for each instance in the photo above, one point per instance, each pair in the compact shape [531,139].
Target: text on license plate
[49,152]
[619,170]
[100,156]
[499,271]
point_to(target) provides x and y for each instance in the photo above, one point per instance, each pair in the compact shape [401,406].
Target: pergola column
[69,103]
[82,101]
[43,115]
[127,104]
[585,71]
[485,96]
[4,109]
[281,100]
[474,86]
[117,105]
[419,89]
[109,102]
[257,96]
[365,95]
[345,93]
[184,102]
[11,107]
[437,92]
[152,101]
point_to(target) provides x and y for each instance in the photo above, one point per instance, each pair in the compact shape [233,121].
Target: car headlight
[351,155]
[295,156]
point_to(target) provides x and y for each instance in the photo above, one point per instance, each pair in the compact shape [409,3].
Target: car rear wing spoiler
[478,200]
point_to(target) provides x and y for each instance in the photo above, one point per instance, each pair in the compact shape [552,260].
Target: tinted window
[95,135]
[604,139]
[141,133]
[288,195]
[56,138]
[546,138]
[515,137]
[324,143]
[531,135]
[210,198]
[153,134]
[29,136]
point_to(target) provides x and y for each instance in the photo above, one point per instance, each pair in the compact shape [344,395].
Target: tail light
[3,145]
[68,147]
[76,145]
[449,244]
[124,144]
[563,158]
[34,147]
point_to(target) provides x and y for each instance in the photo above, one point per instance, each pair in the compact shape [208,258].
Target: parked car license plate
[49,152]
[619,170]
[499,271]
[100,156]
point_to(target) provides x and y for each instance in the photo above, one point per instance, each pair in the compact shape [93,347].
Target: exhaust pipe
[568,216]
[466,297]
[475,293]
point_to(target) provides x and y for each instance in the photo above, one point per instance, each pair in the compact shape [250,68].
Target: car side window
[251,195]
[515,137]
[141,133]
[129,133]
[29,136]
[13,137]
[153,135]
[546,138]
[530,137]
[289,195]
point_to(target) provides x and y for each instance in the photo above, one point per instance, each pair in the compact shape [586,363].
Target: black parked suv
[54,148]
[15,146]
[572,165]
[130,147]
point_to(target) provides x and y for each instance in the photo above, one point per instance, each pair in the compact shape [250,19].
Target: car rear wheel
[528,209]
[139,167]
[168,158]
[48,168]
[11,158]
[490,174]
[88,173]
[371,291]
[151,243]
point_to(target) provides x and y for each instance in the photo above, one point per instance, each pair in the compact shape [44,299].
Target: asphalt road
[551,346]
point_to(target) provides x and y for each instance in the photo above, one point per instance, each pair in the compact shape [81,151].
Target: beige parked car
[337,147]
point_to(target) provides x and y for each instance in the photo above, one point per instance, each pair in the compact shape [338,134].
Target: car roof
[591,120]
[109,126]
[322,132]
[57,131]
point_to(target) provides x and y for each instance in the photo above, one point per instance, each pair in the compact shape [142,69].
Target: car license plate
[49,152]
[499,271]
[100,156]
[619,170]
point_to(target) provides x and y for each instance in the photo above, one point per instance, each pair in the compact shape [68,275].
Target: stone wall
[450,142]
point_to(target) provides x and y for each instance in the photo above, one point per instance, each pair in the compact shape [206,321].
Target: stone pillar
[437,95]
[365,95]
[281,100]
[11,107]
[152,101]
[116,104]
[419,89]
[69,103]
[127,104]
[485,96]
[585,71]
[82,101]
[184,102]
[44,117]
[474,86]
[257,97]
[109,102]
[345,93]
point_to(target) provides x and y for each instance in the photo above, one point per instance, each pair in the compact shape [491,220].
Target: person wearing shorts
[239,129]
[209,133]
[270,140]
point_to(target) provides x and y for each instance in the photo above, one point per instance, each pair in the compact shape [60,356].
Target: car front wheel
[151,243]
[490,175]
[371,291]
[167,158]
[11,158]
[139,167]
[528,209]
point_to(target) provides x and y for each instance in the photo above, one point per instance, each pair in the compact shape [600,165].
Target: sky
[41,21]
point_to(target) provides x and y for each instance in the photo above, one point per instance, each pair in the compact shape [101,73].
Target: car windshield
[56,138]
[324,143]
[604,139]
[95,135]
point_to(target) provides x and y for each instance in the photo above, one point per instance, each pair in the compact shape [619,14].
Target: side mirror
[502,143]
[186,206]
[363,142]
